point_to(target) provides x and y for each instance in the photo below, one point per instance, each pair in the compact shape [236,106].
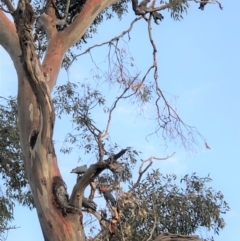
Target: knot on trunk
[60,195]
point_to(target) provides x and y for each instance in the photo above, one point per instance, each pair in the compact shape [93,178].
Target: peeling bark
[36,114]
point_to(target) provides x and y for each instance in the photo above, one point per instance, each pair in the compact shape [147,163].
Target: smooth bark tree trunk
[41,167]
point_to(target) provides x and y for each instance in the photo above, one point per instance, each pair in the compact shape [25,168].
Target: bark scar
[44,181]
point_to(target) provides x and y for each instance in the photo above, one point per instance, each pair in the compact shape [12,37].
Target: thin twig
[114,106]
[66,10]
[110,41]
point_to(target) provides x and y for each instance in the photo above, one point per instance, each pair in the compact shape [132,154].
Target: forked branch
[142,171]
[93,172]
[46,23]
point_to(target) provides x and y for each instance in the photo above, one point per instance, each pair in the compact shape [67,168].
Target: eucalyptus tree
[39,42]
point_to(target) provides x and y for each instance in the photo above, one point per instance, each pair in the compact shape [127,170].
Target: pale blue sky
[199,62]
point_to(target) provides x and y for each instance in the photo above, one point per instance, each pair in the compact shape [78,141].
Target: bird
[62,196]
[108,196]
[62,199]
[142,5]
[202,5]
[156,15]
[88,204]
[79,170]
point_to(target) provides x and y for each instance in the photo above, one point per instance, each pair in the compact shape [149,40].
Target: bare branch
[141,10]
[66,10]
[56,10]
[153,4]
[115,104]
[93,190]
[50,9]
[220,5]
[110,41]
[150,159]
[209,1]
[100,146]
[104,223]
[119,154]
[141,171]
[99,217]
[167,118]
[4,10]
[9,41]
[61,20]
[10,6]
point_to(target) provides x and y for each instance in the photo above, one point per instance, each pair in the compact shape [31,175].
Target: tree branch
[46,23]
[93,190]
[9,5]
[89,176]
[209,1]
[110,41]
[50,10]
[141,11]
[141,172]
[4,10]
[53,58]
[9,41]
[66,10]
[160,8]
[115,104]
[90,11]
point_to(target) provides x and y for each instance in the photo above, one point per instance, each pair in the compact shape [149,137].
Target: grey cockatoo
[156,15]
[79,170]
[88,204]
[202,5]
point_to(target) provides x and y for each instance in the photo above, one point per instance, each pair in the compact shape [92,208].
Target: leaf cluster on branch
[152,199]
